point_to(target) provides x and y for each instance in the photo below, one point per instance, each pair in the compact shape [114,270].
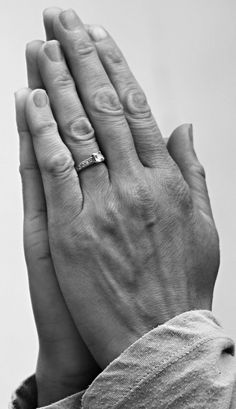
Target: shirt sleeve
[186,363]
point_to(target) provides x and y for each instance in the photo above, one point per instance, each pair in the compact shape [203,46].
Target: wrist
[55,382]
[52,390]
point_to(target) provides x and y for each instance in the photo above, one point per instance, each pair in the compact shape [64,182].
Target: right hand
[141,232]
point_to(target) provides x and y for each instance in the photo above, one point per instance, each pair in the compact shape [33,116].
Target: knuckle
[136,104]
[114,56]
[45,128]
[142,197]
[105,100]
[63,79]
[58,164]
[82,46]
[78,129]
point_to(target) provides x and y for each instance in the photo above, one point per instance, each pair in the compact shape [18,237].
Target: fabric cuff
[150,356]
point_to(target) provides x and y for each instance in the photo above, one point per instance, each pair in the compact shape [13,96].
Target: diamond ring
[95,158]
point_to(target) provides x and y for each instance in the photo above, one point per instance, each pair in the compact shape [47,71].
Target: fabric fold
[188,362]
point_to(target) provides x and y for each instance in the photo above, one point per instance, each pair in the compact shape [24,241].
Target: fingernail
[69,20]
[53,51]
[97,33]
[40,98]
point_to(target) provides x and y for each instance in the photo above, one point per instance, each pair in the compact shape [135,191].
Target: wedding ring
[95,158]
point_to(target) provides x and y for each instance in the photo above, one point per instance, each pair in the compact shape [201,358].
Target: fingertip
[21,96]
[39,98]
[52,49]
[181,138]
[32,102]
[96,32]
[22,92]
[32,48]
[31,53]
[183,130]
[49,15]
[51,11]
[20,99]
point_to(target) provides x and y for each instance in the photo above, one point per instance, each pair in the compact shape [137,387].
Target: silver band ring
[95,158]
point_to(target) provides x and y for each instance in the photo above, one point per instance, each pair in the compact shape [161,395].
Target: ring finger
[74,126]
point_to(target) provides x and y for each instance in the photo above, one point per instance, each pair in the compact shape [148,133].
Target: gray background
[183,53]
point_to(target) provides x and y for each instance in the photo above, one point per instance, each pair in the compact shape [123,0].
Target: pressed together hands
[118,248]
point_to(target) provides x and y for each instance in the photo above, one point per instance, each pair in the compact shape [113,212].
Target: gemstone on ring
[98,157]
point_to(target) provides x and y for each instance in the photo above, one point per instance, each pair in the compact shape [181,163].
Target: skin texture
[64,364]
[164,260]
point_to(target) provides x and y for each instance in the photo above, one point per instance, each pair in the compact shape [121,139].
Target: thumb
[181,149]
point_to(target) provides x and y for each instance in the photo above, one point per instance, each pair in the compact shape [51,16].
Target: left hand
[141,232]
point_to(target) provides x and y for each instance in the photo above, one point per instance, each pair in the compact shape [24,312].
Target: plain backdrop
[183,53]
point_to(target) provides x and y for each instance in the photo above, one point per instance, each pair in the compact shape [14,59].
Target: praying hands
[118,229]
